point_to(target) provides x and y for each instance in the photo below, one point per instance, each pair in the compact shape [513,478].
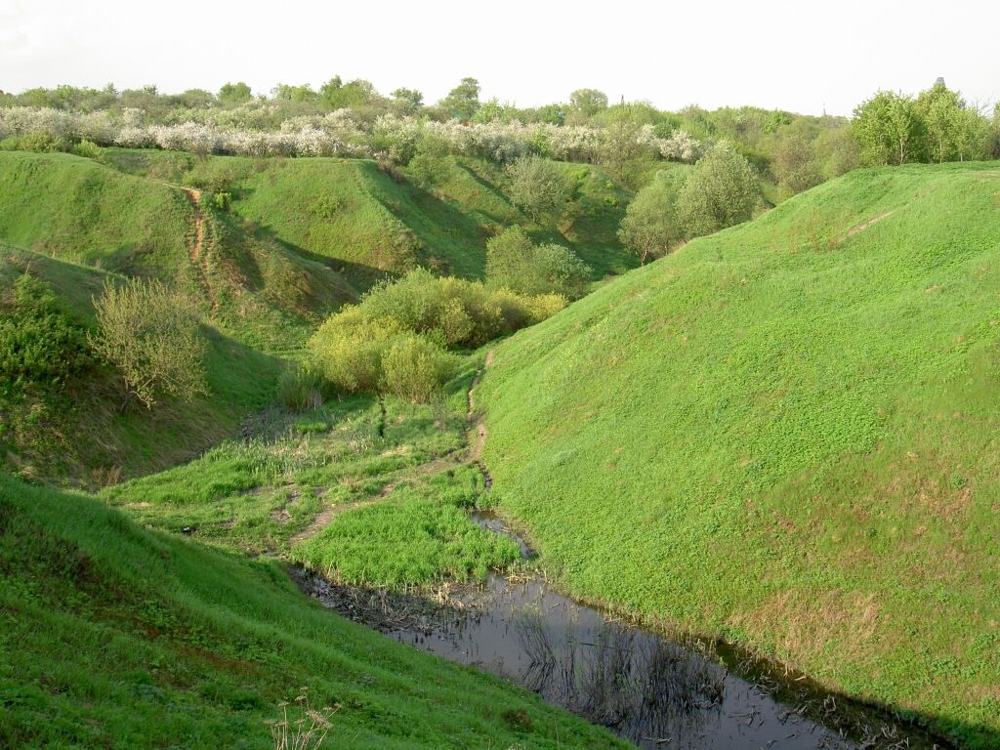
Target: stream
[647,689]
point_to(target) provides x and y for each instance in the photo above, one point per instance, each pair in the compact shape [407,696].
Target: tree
[651,226]
[462,101]
[513,262]
[151,335]
[721,192]
[287,92]
[585,103]
[232,94]
[339,95]
[537,186]
[411,99]
[623,155]
[794,163]
[888,129]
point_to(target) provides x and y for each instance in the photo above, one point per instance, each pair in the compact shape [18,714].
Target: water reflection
[648,690]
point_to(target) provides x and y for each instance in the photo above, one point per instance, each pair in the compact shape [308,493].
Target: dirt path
[864,225]
[196,247]
[476,436]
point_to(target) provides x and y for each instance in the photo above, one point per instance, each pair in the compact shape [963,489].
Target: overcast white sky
[799,56]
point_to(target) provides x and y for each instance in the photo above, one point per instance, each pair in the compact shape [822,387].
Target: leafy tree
[462,101]
[232,94]
[623,155]
[939,108]
[585,103]
[339,95]
[538,187]
[303,93]
[721,192]
[651,226]
[494,111]
[196,99]
[410,98]
[972,135]
[794,164]
[151,335]
[513,262]
[836,152]
[888,129]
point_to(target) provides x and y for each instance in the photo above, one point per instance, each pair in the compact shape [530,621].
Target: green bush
[151,336]
[39,141]
[651,227]
[87,149]
[537,187]
[39,344]
[396,340]
[415,368]
[515,263]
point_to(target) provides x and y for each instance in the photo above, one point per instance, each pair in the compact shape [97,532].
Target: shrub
[721,191]
[151,335]
[347,350]
[415,368]
[651,226]
[395,341]
[537,187]
[87,149]
[39,344]
[513,262]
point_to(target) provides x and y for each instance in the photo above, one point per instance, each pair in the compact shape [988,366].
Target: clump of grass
[300,388]
[300,726]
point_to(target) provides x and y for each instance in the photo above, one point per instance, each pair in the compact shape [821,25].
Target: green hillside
[786,434]
[117,637]
[365,221]
[79,211]
[74,432]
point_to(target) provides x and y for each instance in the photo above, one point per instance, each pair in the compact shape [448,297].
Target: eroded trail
[196,246]
[471,455]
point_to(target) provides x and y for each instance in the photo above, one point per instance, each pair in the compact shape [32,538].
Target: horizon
[537,55]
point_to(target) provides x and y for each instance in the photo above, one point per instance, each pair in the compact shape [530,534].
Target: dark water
[649,690]
[655,693]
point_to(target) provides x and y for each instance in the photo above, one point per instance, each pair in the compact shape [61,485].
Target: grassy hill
[79,211]
[117,637]
[74,432]
[364,221]
[786,434]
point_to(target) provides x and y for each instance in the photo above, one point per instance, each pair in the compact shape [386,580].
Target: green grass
[75,433]
[118,637]
[365,223]
[77,210]
[785,434]
[398,489]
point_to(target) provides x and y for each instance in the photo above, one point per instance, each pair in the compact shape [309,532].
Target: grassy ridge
[113,636]
[80,211]
[786,434]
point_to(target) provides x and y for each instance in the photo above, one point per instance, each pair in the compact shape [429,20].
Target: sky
[802,57]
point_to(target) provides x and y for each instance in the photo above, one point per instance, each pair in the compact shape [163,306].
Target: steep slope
[366,222]
[74,432]
[786,434]
[117,637]
[79,211]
